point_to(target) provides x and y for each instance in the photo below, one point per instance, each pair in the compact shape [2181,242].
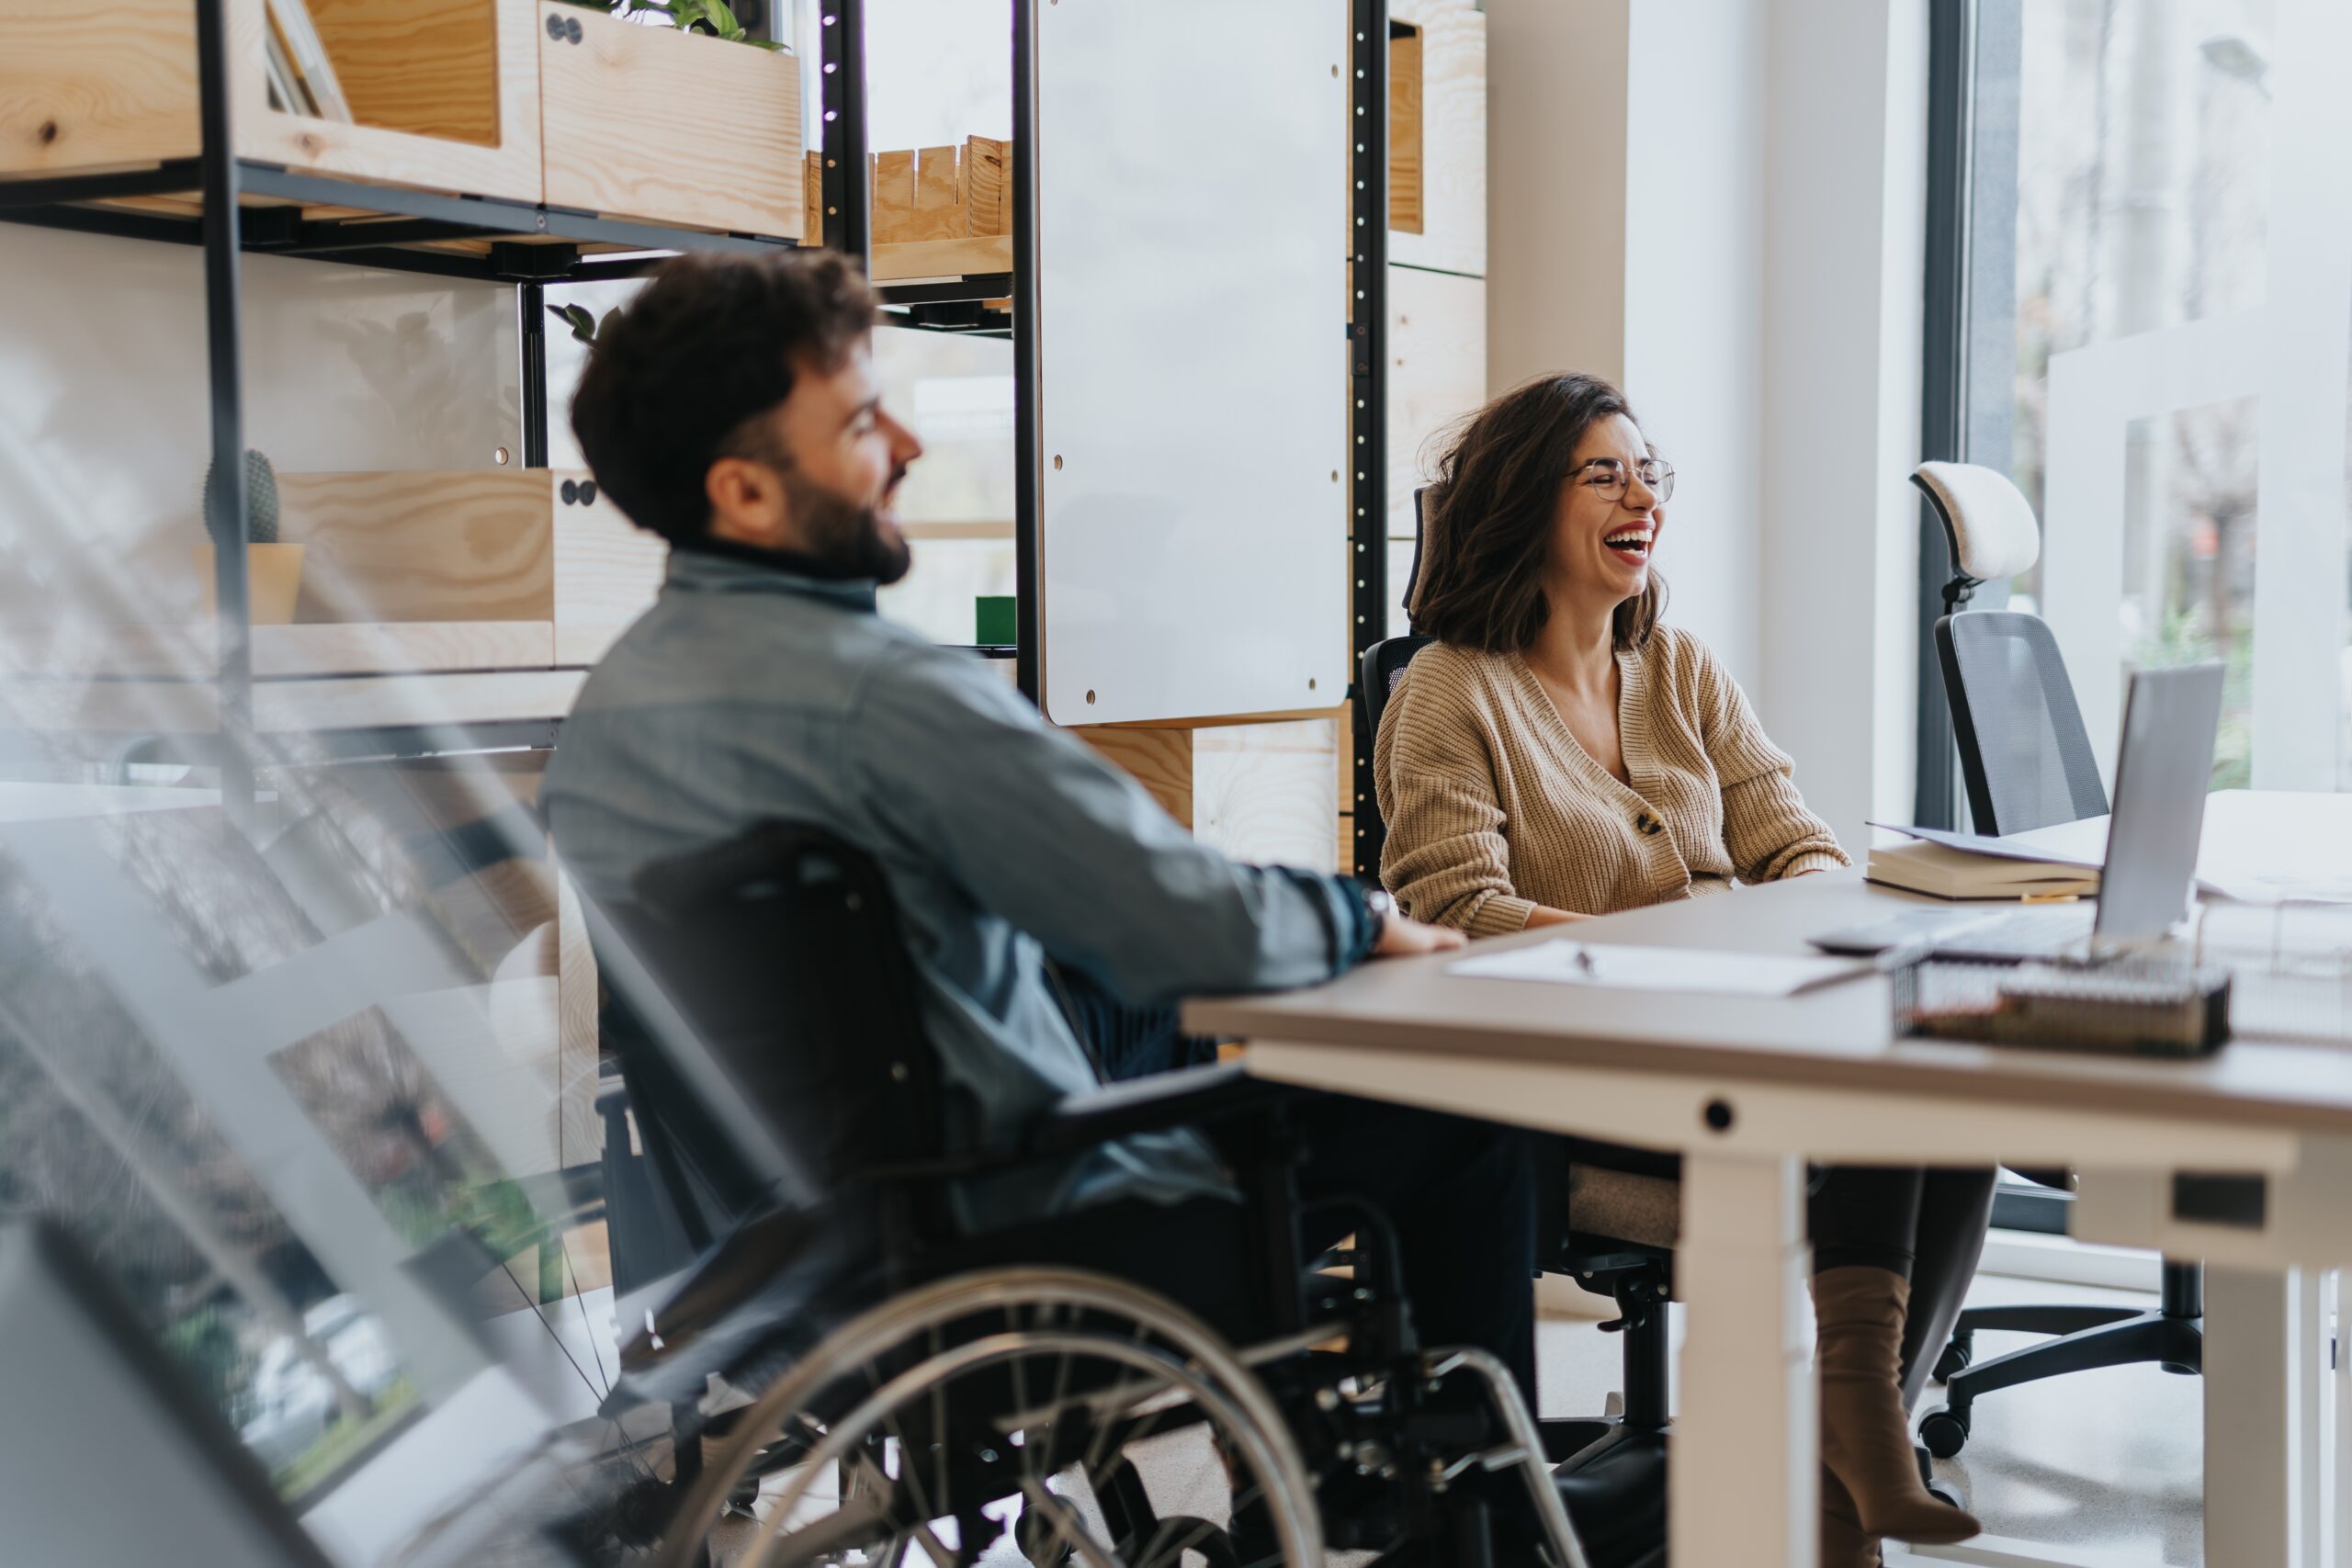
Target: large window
[2158,287]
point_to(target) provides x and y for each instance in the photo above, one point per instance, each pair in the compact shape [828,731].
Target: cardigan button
[1648,822]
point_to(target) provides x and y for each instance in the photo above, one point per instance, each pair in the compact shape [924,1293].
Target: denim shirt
[752,691]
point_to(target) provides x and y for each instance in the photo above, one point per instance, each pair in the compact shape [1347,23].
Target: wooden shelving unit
[518,141]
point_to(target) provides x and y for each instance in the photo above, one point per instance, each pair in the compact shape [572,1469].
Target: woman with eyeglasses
[1558,752]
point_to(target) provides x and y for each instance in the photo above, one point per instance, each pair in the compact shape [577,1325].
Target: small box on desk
[2146,1007]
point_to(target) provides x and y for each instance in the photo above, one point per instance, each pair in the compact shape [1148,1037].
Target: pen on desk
[1900,957]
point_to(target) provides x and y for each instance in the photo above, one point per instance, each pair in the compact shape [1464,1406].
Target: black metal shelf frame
[1368,394]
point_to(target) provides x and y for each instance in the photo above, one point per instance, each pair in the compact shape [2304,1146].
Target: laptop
[2162,774]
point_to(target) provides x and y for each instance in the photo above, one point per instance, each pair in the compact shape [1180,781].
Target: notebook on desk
[2170,720]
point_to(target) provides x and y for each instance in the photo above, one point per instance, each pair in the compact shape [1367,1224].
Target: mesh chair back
[2023,750]
[763,1008]
[1384,666]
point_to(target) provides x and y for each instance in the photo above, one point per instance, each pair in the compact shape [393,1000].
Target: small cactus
[260,499]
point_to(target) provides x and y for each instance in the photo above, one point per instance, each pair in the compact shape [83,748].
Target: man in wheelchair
[968,1292]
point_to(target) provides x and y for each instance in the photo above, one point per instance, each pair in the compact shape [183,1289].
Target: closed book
[1943,872]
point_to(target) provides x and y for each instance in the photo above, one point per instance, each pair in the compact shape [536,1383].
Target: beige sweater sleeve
[1767,828]
[1435,767]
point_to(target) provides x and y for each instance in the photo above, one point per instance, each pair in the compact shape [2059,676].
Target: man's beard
[849,538]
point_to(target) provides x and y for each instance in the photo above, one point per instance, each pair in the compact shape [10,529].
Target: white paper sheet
[1564,962]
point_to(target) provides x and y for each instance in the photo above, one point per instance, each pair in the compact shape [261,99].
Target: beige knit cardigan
[1493,806]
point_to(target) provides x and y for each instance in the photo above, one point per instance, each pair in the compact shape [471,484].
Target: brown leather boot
[1865,1436]
[1844,1542]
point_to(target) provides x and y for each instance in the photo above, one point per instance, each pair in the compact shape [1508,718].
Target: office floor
[2105,1462]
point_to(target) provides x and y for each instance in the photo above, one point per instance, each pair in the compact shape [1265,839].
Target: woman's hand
[1545,915]
[1401,938]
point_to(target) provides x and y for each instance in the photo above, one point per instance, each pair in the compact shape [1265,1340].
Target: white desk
[1749,1091]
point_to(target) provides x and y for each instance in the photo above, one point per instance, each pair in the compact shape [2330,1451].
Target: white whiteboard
[1192,277]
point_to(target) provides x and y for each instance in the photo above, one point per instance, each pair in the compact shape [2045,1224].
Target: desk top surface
[1841,1037]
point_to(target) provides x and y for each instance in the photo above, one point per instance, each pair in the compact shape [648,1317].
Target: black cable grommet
[1718,1115]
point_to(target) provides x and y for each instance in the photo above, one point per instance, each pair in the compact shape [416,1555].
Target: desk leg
[1742,1466]
[2260,1349]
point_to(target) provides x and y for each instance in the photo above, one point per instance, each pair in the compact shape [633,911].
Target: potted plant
[713,16]
[273,567]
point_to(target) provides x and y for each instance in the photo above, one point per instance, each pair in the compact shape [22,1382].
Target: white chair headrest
[1987,519]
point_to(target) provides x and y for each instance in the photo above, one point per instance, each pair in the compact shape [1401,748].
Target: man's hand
[1401,938]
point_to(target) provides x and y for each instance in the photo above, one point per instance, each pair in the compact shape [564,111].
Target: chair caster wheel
[1945,1432]
[1958,1353]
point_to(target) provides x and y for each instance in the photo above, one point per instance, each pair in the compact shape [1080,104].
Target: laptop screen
[2162,774]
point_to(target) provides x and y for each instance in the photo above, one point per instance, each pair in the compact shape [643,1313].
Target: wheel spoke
[1067,1529]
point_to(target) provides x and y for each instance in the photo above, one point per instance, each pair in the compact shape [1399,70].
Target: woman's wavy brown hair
[1487,523]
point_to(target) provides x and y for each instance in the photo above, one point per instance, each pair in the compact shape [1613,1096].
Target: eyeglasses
[1608,477]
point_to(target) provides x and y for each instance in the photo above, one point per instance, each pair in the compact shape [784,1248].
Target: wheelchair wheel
[1035,1403]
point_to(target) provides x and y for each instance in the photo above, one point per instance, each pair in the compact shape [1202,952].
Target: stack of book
[302,77]
[1958,865]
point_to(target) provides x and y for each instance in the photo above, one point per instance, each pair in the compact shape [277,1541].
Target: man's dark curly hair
[710,347]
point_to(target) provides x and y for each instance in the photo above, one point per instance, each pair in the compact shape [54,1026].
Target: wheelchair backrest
[763,1009]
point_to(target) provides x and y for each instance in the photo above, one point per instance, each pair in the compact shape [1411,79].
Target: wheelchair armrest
[1151,1104]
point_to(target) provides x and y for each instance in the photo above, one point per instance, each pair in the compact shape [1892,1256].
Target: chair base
[2108,1338]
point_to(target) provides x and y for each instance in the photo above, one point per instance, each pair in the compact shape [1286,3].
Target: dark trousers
[1459,1196]
[1928,1225]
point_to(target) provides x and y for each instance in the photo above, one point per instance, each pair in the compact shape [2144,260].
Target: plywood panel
[969,257]
[1159,760]
[1453,50]
[113,85]
[1437,373]
[510,168]
[429,67]
[607,572]
[629,114]
[1267,793]
[96,86]
[1405,130]
[988,187]
[938,212]
[428,546]
[893,196]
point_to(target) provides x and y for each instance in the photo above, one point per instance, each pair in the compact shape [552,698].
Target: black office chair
[764,1012]
[2027,762]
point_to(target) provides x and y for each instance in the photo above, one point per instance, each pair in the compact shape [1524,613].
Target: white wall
[1844,256]
[1694,298]
[1626,164]
[1720,202]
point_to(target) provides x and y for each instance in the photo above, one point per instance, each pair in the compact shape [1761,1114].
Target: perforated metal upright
[1368,390]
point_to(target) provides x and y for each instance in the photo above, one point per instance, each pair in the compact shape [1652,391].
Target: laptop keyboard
[2056,931]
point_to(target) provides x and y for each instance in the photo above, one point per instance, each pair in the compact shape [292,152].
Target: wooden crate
[938,212]
[671,127]
[448,91]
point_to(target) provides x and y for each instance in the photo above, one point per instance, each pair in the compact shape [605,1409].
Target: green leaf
[722,20]
[610,317]
[576,317]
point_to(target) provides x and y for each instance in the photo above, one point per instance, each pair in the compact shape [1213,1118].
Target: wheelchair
[849,1373]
